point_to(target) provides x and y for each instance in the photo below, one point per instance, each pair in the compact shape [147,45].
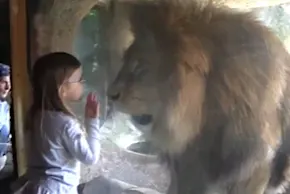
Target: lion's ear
[144,16]
[138,20]
[141,25]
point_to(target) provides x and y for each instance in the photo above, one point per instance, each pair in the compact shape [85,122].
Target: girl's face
[72,88]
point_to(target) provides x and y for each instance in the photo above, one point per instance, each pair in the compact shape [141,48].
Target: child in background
[58,142]
[5,86]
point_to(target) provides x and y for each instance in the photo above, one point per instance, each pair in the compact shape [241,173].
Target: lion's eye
[138,69]
[134,65]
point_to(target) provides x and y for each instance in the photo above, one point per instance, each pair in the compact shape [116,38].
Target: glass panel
[125,155]
[87,32]
[122,155]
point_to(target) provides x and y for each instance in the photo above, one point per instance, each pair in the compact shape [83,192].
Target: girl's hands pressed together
[92,106]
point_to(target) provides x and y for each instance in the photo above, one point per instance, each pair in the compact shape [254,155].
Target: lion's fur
[216,83]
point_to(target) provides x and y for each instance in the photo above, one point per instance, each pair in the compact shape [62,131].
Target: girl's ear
[62,92]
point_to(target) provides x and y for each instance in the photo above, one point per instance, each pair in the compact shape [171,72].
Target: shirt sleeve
[85,147]
[5,115]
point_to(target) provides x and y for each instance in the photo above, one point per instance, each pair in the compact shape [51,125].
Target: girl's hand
[92,106]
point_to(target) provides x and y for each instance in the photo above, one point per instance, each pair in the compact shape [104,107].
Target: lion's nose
[115,90]
[114,96]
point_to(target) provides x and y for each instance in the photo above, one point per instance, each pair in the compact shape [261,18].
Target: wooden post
[20,79]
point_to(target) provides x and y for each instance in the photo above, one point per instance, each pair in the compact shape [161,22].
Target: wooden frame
[20,79]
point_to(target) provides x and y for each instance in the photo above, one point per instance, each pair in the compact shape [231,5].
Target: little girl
[58,142]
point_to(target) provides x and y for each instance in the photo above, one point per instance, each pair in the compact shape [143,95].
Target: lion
[213,86]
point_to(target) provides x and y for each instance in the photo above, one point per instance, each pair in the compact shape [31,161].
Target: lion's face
[162,81]
[139,86]
[158,87]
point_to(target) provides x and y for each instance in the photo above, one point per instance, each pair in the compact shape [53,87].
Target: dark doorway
[8,172]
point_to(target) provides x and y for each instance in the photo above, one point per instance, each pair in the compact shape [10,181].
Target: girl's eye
[82,80]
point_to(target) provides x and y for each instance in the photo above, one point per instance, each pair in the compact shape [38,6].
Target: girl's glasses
[82,80]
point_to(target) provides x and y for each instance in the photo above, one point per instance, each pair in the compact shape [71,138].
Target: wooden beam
[20,79]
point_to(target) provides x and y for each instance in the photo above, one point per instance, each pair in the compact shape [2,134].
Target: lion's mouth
[144,119]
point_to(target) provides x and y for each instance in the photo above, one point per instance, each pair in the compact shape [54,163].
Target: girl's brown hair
[48,74]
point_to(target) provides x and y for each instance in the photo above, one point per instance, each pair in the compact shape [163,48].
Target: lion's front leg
[183,182]
[193,178]
[256,184]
